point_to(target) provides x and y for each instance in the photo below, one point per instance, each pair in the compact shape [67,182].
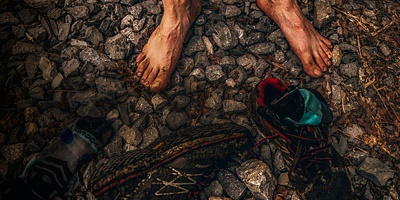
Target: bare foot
[312,49]
[160,55]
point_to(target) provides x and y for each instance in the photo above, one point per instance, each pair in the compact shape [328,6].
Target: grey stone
[215,73]
[93,35]
[258,178]
[114,147]
[385,49]
[23,48]
[232,11]
[71,67]
[46,66]
[276,35]
[117,47]
[79,43]
[176,119]
[230,83]
[57,80]
[27,16]
[58,114]
[7,18]
[198,73]
[357,156]
[69,53]
[31,114]
[323,13]
[143,106]
[255,37]
[131,135]
[337,94]
[224,37]
[158,101]
[180,101]
[341,146]
[239,119]
[260,67]
[84,97]
[284,180]
[55,13]
[241,34]
[154,9]
[79,12]
[123,111]
[201,59]
[247,61]
[349,57]
[31,129]
[112,115]
[185,66]
[336,56]
[12,152]
[63,31]
[347,47]
[31,64]
[19,32]
[38,3]
[279,56]
[239,75]
[214,189]
[128,2]
[350,69]
[208,117]
[111,87]
[215,100]
[228,62]
[208,45]
[375,170]
[232,106]
[232,186]
[136,11]
[92,56]
[37,93]
[46,119]
[149,136]
[89,110]
[293,68]
[195,44]
[263,48]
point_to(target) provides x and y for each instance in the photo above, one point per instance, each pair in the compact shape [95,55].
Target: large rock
[224,37]
[323,13]
[258,178]
[117,47]
[376,171]
[232,186]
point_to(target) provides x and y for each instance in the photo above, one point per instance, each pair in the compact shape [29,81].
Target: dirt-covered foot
[312,48]
[160,55]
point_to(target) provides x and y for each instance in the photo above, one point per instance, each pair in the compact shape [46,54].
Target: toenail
[317,72]
[139,74]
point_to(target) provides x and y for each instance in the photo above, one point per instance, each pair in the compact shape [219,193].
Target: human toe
[142,66]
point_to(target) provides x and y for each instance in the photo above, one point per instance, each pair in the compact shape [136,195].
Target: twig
[357,19]
[384,28]
[280,66]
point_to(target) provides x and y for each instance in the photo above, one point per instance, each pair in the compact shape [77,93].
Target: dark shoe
[298,120]
[173,167]
[48,174]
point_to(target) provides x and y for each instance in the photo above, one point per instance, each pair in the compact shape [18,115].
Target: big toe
[313,71]
[158,85]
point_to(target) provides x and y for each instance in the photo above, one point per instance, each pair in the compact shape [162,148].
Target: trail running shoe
[296,119]
[173,167]
[48,174]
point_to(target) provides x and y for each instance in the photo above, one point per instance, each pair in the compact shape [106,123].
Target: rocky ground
[62,59]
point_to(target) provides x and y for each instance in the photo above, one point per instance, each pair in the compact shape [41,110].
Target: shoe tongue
[269,90]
